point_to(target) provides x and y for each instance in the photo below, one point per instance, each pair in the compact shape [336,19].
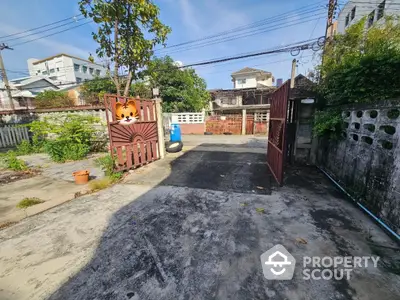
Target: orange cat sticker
[126,113]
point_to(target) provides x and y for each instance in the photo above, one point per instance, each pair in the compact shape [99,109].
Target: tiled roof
[248,70]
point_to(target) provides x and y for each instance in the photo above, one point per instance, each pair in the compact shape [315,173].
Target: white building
[355,10]
[252,78]
[64,68]
[23,90]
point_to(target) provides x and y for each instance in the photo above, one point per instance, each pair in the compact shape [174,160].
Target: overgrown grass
[27,202]
[100,184]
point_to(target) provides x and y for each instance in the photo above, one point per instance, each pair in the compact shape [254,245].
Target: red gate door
[132,145]
[276,135]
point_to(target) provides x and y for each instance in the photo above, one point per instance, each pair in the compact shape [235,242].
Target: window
[371,18]
[78,80]
[241,81]
[381,10]
[353,13]
[91,71]
[98,72]
[45,73]
[58,69]
[76,67]
[347,21]
[52,71]
[53,77]
[84,69]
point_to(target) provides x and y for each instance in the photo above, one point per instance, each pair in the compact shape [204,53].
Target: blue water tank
[175,133]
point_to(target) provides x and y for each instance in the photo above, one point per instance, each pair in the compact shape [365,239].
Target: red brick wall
[232,124]
[197,128]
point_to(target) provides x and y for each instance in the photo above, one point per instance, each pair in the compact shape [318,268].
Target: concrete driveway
[193,226]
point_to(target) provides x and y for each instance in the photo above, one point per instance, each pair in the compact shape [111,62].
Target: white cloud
[56,47]
[189,17]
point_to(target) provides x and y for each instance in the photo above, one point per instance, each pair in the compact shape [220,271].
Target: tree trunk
[116,64]
[128,83]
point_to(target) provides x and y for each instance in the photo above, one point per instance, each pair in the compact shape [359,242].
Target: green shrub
[14,163]
[26,202]
[60,150]
[328,123]
[69,137]
[107,164]
[24,148]
[53,99]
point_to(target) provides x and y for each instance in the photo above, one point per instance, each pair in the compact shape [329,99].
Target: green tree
[127,33]
[362,65]
[180,89]
[53,99]
[93,90]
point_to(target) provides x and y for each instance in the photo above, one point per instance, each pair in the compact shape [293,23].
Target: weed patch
[27,202]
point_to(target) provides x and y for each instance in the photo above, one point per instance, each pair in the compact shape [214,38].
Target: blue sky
[189,20]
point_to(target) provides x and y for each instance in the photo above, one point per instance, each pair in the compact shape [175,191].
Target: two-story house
[250,87]
[252,78]
[64,68]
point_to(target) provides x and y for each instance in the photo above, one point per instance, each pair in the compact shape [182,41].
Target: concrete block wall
[366,160]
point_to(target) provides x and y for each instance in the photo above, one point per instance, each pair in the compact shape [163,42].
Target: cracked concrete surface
[160,239]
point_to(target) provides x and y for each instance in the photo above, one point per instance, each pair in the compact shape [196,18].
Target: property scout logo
[278,264]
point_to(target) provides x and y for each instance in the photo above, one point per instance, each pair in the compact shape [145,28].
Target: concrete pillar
[243,121]
[160,130]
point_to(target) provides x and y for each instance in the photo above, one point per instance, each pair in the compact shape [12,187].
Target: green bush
[69,137]
[328,123]
[107,164]
[53,99]
[61,151]
[14,163]
[24,148]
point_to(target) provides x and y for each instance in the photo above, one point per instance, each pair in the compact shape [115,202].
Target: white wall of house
[266,82]
[245,81]
[65,69]
[352,12]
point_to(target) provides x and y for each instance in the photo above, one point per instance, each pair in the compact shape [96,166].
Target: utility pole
[329,21]
[294,63]
[4,75]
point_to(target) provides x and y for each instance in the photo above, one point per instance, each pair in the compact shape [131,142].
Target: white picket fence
[12,135]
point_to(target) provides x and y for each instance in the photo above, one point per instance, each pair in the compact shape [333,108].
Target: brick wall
[198,128]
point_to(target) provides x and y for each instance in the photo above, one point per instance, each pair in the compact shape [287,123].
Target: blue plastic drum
[175,133]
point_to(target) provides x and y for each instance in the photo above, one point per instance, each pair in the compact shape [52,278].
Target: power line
[303,46]
[281,23]
[243,27]
[46,30]
[257,65]
[234,37]
[40,27]
[61,31]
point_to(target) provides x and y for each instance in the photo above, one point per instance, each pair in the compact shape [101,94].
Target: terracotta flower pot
[81,177]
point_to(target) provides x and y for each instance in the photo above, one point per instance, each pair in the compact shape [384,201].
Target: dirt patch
[7,176]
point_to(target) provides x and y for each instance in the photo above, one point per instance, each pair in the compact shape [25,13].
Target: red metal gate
[276,135]
[136,144]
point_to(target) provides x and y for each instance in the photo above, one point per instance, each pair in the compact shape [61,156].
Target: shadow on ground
[199,233]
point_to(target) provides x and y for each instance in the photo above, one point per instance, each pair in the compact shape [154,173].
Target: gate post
[244,120]
[160,129]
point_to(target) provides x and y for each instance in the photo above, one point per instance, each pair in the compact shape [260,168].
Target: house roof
[29,80]
[248,70]
[63,54]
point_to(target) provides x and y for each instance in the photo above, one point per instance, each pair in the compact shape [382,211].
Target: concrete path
[55,185]
[154,237]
